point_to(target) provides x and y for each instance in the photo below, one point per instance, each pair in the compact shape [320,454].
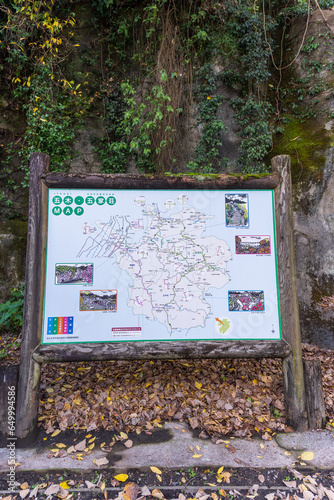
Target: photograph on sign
[124,265]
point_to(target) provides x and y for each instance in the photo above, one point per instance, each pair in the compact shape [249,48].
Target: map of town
[171,263]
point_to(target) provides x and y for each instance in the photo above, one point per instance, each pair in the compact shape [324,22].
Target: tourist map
[129,265]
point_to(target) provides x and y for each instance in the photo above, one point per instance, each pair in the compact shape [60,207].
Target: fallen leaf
[64,485]
[52,490]
[56,433]
[61,445]
[24,493]
[145,491]
[156,493]
[290,484]
[155,470]
[261,478]
[90,485]
[121,477]
[307,456]
[197,456]
[101,461]
[24,486]
[198,385]
[219,471]
[270,496]
[130,491]
[81,445]
[329,493]
[123,435]
[128,443]
[34,492]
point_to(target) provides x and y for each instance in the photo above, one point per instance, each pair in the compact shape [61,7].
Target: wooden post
[293,377]
[28,387]
[314,394]
[8,386]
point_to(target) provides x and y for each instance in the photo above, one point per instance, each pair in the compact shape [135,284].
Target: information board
[150,265]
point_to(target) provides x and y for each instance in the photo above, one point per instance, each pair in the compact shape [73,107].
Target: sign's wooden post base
[33,353]
[29,376]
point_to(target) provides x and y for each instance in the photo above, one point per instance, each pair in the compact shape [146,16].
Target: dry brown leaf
[24,493]
[130,491]
[52,490]
[156,493]
[145,491]
[101,461]
[80,446]
[128,443]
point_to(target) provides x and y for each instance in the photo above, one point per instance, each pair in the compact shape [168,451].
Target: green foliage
[207,158]
[11,312]
[252,117]
[47,104]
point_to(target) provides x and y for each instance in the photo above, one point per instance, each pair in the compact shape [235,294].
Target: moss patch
[306,144]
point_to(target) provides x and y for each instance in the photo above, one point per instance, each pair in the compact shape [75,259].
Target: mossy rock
[306,144]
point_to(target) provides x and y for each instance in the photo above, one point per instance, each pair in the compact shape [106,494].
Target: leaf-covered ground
[239,397]
[217,397]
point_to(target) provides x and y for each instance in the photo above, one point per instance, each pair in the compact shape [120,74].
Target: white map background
[171,259]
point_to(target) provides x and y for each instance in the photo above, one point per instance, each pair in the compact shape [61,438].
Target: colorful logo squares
[60,325]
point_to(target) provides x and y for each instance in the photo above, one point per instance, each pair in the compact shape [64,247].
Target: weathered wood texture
[28,387]
[314,394]
[8,379]
[162,350]
[293,378]
[121,181]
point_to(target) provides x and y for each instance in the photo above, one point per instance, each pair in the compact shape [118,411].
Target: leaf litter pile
[238,398]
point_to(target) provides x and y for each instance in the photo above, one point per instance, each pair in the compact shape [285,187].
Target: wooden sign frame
[33,353]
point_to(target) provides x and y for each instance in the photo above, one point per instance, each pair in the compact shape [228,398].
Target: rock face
[314,195]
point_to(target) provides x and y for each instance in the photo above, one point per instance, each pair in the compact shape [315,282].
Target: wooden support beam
[121,181]
[162,350]
[314,394]
[293,377]
[28,387]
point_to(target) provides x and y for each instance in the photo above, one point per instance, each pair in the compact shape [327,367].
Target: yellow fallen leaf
[64,485]
[103,444]
[287,453]
[56,433]
[54,450]
[103,486]
[307,455]
[198,385]
[219,471]
[24,486]
[211,484]
[121,477]
[88,436]
[197,448]
[262,446]
[61,445]
[159,478]
[155,470]
[259,456]
[197,455]
[91,446]
[123,435]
